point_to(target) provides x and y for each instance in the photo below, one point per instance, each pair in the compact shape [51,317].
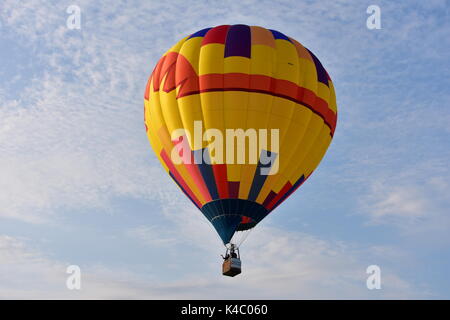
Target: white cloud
[405,203]
[280,263]
[75,137]
[26,274]
[157,236]
[63,150]
[414,201]
[276,264]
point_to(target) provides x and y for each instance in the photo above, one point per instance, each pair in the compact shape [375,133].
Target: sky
[80,185]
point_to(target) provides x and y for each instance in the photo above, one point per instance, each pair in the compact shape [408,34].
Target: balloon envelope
[239,77]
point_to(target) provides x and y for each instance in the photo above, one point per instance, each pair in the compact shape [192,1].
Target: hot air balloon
[247,78]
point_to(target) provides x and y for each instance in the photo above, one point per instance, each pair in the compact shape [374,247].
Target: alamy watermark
[374,20]
[374,280]
[73,281]
[235,146]
[74,19]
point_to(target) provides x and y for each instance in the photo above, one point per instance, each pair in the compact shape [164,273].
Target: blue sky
[80,185]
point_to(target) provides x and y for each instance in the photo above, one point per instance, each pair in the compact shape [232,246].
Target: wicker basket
[231,267]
